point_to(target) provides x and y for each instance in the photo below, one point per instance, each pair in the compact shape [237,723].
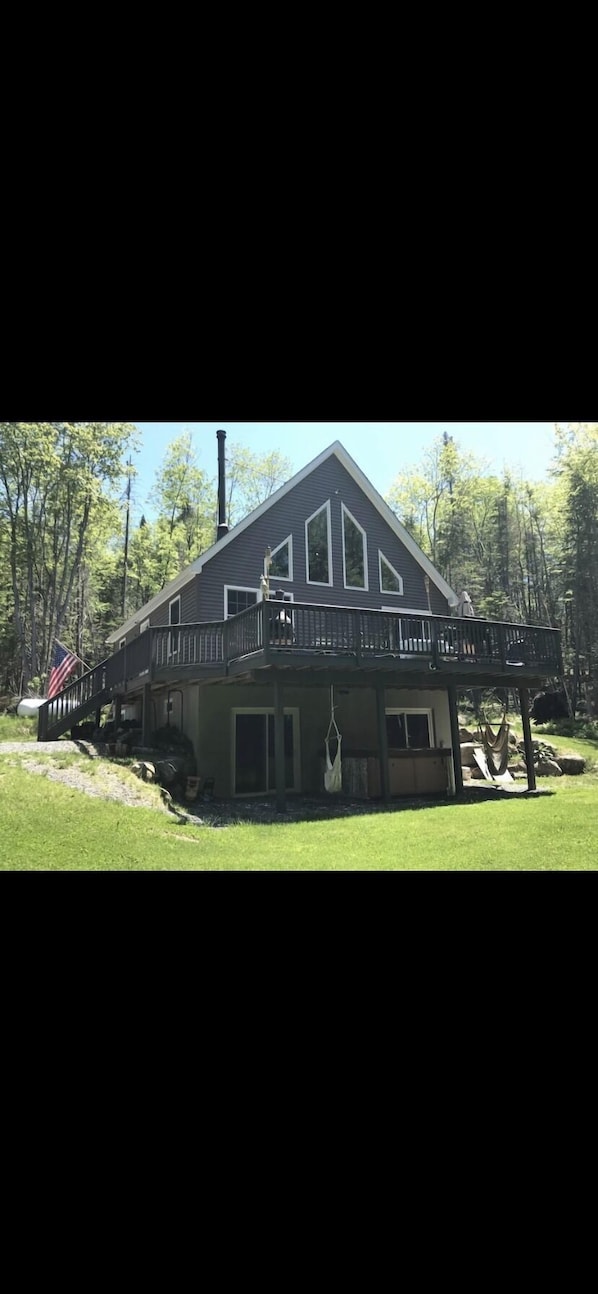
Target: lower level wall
[207,718]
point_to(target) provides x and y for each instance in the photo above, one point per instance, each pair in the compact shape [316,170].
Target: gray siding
[159,617]
[242,563]
[208,722]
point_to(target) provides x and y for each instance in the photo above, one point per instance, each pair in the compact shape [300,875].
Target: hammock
[333,775]
[497,748]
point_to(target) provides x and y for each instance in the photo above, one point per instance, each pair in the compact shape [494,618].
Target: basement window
[409,729]
[318,546]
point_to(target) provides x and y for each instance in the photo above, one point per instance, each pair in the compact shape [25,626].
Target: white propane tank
[29,705]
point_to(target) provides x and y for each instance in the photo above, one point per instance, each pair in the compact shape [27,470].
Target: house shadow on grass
[320,808]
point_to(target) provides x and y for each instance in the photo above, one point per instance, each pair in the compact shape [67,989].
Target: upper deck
[309,640]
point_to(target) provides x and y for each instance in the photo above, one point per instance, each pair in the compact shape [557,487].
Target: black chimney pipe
[222,526]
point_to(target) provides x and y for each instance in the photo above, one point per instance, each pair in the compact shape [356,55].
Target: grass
[14,728]
[48,827]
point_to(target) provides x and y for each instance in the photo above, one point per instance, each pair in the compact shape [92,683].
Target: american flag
[64,663]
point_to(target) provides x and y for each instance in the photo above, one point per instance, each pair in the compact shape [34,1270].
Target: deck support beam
[279,761]
[455,739]
[146,735]
[382,742]
[527,738]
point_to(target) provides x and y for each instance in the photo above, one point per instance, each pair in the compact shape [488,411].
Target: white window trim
[322,584]
[360,588]
[388,593]
[264,709]
[239,588]
[287,578]
[145,624]
[417,709]
[175,626]
[122,643]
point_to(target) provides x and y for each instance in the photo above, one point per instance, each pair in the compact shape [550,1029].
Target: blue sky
[382,449]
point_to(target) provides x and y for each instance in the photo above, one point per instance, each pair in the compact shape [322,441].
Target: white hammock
[333,775]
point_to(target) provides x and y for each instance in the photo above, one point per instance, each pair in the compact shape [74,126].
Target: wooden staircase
[76,701]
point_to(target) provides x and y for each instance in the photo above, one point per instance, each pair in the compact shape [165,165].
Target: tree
[576,470]
[55,482]
[185,500]
[252,478]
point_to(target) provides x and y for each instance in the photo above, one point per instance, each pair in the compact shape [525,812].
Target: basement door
[254,769]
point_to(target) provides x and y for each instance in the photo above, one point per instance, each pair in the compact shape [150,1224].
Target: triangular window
[390,580]
[281,562]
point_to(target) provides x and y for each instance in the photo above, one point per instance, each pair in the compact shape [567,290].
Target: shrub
[584,728]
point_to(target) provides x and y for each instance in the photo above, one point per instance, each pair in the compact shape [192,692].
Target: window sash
[348,522]
[288,544]
[230,592]
[407,732]
[309,565]
[384,562]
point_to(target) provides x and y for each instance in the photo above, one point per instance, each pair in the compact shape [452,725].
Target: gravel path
[103,783]
[48,748]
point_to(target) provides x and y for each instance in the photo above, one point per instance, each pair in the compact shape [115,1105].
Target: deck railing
[76,695]
[271,628]
[179,646]
[274,629]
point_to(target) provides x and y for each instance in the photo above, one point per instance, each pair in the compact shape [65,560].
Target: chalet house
[318,597]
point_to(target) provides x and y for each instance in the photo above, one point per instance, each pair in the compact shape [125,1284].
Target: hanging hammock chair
[333,773]
[496,746]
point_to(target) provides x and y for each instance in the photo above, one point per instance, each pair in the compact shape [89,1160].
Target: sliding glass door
[253,751]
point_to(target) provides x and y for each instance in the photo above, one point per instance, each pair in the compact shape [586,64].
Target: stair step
[73,717]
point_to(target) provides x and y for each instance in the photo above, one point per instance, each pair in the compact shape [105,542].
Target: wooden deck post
[42,723]
[382,741]
[527,738]
[279,746]
[117,710]
[455,739]
[146,734]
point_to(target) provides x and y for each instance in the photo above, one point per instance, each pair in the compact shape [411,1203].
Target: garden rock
[548,768]
[572,764]
[144,770]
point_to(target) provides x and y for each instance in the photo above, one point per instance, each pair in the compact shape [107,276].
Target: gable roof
[171,589]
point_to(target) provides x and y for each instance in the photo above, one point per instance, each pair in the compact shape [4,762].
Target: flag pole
[73,653]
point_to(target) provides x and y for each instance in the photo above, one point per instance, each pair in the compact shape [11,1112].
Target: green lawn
[14,728]
[46,826]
